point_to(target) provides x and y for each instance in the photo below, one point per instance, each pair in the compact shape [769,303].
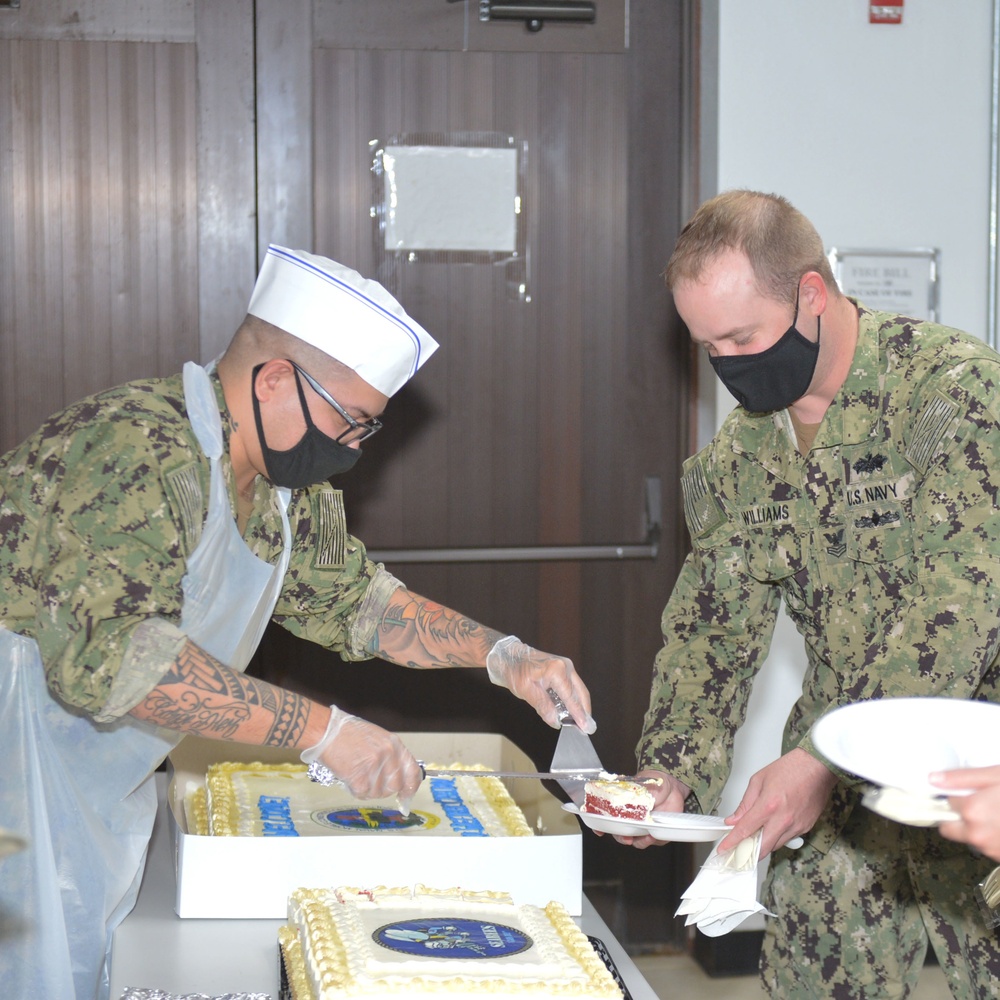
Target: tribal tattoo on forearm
[416,632]
[203,696]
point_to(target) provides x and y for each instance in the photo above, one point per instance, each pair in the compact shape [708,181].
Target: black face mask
[775,378]
[315,458]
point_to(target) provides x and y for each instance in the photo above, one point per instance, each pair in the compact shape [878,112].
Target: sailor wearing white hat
[336,310]
[313,323]
[151,533]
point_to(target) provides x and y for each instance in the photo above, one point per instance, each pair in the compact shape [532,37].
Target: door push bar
[648,549]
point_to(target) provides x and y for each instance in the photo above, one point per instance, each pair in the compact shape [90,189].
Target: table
[154,948]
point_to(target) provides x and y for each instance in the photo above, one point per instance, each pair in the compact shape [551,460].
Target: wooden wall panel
[284,92]
[101,20]
[29,175]
[226,169]
[97,209]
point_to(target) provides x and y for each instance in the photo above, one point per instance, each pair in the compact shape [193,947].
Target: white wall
[881,135]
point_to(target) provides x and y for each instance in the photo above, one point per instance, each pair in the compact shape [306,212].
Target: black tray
[605,956]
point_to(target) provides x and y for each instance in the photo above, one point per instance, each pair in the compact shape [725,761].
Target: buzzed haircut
[257,339]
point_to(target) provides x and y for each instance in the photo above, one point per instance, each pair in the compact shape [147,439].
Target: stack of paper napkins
[724,893]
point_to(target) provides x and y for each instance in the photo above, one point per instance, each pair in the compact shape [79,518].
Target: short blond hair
[779,242]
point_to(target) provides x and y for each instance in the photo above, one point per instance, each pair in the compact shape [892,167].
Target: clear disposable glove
[370,761]
[529,673]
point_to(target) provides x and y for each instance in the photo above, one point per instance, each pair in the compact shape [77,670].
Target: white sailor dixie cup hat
[336,310]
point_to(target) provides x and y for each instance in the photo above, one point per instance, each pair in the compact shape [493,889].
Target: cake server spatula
[575,754]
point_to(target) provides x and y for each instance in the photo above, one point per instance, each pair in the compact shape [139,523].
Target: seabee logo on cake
[446,796]
[373,818]
[452,937]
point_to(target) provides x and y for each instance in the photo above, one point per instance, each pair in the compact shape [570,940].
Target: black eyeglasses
[356,431]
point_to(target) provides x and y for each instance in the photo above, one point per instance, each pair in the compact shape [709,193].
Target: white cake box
[253,877]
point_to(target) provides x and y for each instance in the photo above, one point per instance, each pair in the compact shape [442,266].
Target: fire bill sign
[886,13]
[903,281]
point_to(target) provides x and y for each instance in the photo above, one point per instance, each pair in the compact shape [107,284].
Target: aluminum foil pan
[131,993]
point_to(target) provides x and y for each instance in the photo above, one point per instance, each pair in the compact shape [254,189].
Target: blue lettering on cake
[276,817]
[447,796]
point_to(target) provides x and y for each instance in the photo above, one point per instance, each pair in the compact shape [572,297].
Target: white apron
[82,792]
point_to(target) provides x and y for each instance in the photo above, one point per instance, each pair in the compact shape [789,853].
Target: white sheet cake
[390,942]
[279,800]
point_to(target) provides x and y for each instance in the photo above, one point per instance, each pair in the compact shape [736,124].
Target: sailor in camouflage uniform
[149,533]
[858,484]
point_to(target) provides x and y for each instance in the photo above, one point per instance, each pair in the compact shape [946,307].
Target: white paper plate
[689,827]
[897,742]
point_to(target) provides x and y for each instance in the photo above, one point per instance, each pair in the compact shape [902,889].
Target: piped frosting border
[310,914]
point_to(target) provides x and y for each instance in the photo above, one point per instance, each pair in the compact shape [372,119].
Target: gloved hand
[529,673]
[370,761]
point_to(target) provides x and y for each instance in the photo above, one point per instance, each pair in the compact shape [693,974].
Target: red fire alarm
[886,13]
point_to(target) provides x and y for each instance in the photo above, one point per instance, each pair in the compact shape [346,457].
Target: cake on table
[391,942]
[618,798]
[280,800]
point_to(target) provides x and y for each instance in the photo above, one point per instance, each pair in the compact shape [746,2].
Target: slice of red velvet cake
[618,798]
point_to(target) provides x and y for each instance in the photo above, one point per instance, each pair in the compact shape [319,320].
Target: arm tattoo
[290,716]
[200,695]
[196,667]
[416,632]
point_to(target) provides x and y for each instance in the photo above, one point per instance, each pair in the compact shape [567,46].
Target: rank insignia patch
[837,546]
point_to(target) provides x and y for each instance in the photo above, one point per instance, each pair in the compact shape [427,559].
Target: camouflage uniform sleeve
[334,594]
[716,628]
[109,558]
[153,647]
[943,634]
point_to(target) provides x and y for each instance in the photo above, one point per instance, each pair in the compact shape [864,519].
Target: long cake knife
[584,774]
[324,776]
